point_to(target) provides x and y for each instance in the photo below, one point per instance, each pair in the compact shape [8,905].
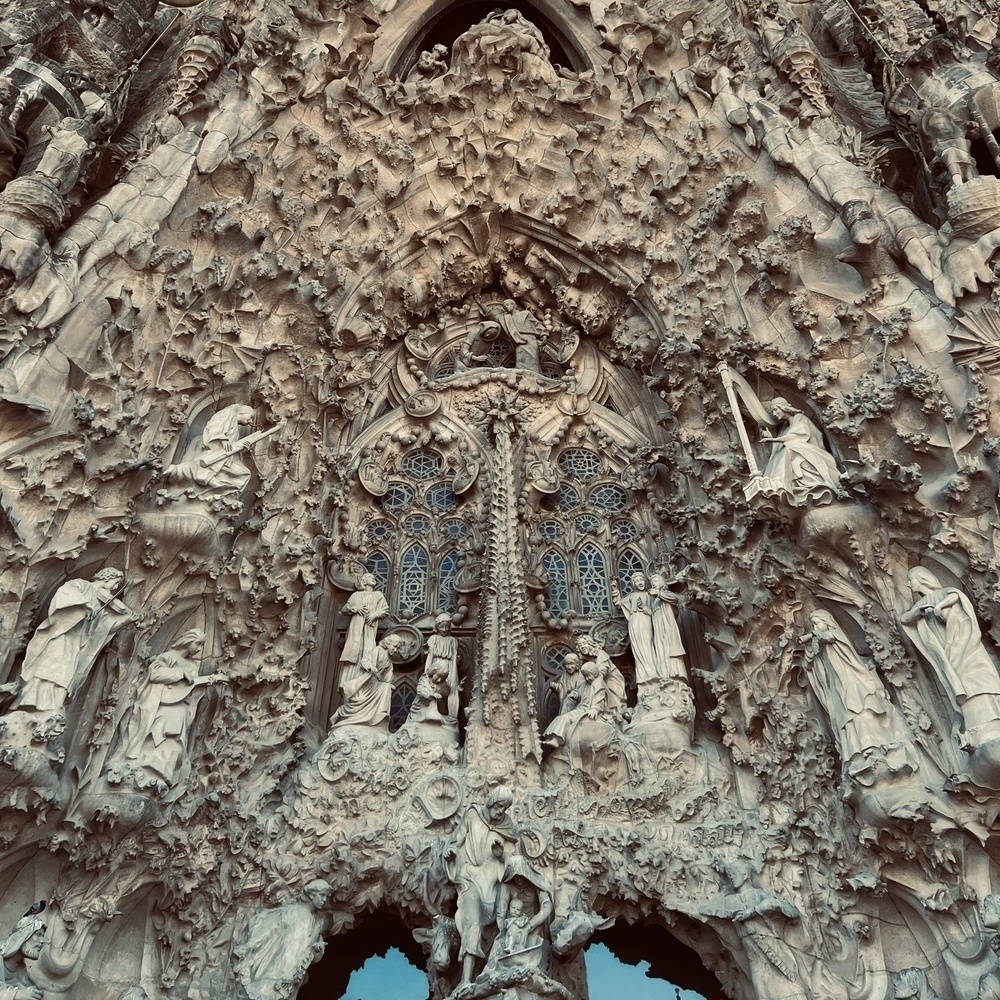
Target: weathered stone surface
[516,480]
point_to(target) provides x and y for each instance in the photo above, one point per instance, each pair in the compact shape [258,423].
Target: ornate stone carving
[625,359]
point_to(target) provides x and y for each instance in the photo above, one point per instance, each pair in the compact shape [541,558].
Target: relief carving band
[512,493]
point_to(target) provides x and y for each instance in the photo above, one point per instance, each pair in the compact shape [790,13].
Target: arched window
[447,571]
[628,564]
[557,588]
[413,582]
[403,694]
[378,565]
[592,573]
[420,522]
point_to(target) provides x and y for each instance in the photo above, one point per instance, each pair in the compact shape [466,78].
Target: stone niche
[489,481]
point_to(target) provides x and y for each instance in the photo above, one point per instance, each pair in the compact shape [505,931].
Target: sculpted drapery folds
[368,695]
[83,616]
[800,468]
[944,627]
[214,464]
[487,305]
[366,608]
[866,725]
[156,733]
[476,864]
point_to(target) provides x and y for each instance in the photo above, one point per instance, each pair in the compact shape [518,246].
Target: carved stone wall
[514,474]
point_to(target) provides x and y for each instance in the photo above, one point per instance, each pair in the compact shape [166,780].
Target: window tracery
[588,527]
[418,531]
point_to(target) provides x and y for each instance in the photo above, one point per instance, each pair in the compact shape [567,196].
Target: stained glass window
[551,531]
[417,526]
[609,497]
[554,658]
[567,498]
[439,498]
[500,355]
[446,367]
[595,595]
[399,708]
[588,524]
[625,531]
[380,530]
[421,466]
[554,567]
[378,565]
[447,571]
[398,497]
[412,591]
[455,529]
[628,563]
[582,463]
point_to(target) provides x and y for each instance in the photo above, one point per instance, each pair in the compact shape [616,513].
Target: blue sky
[393,978]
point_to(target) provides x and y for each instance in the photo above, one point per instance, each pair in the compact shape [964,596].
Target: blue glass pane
[625,531]
[398,498]
[582,463]
[595,594]
[378,565]
[422,466]
[554,567]
[588,524]
[446,583]
[609,496]
[455,529]
[380,530]
[554,657]
[628,563]
[439,498]
[412,592]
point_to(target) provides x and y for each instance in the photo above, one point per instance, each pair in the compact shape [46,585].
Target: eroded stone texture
[517,480]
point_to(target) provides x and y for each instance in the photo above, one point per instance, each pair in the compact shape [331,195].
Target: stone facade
[515,472]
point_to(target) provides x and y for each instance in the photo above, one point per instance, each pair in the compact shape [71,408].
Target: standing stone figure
[366,608]
[83,617]
[638,610]
[273,949]
[943,626]
[476,864]
[867,727]
[368,696]
[442,656]
[165,707]
[667,643]
[800,468]
[24,941]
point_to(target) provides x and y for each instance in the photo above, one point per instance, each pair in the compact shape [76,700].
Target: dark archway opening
[458,18]
[346,953]
[669,959]
[985,163]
